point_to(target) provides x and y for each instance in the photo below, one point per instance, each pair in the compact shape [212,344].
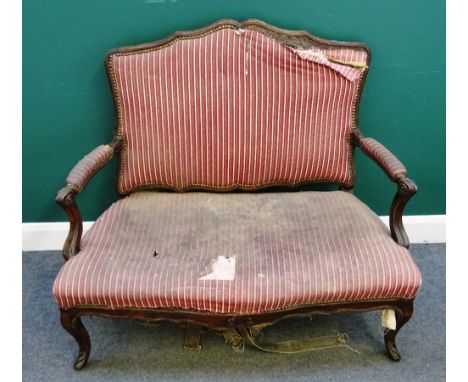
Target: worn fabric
[384,158]
[235,108]
[154,249]
[88,165]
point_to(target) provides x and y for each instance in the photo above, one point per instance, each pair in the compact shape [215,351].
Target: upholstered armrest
[76,180]
[396,172]
[383,157]
[88,166]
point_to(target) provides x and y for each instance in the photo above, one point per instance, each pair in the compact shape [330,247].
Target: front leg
[73,325]
[403,313]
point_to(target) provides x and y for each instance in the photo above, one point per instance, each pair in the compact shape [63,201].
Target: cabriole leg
[403,313]
[73,325]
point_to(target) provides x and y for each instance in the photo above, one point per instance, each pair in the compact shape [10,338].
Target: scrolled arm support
[66,199]
[76,181]
[396,172]
[405,191]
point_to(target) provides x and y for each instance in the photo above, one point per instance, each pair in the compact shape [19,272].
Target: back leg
[403,313]
[73,325]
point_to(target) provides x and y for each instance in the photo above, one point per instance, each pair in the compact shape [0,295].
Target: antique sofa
[218,115]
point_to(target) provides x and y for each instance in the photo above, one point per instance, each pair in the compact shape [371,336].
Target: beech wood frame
[406,188]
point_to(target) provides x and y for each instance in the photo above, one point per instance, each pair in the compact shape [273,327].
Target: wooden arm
[406,189]
[396,172]
[66,196]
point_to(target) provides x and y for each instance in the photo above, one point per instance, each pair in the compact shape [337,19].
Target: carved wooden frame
[71,318]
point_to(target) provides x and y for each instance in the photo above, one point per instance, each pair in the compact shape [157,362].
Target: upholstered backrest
[236,106]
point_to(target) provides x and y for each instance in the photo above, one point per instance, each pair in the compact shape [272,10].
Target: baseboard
[46,236]
[423,228]
[50,236]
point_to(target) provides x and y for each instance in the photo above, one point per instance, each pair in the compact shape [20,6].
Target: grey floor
[131,351]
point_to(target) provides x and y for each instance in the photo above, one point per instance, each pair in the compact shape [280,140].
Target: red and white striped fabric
[235,108]
[88,166]
[384,158]
[152,249]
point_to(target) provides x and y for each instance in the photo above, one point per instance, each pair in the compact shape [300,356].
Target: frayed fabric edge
[351,70]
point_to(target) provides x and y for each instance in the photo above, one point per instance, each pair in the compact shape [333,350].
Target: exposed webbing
[296,346]
[242,335]
[192,337]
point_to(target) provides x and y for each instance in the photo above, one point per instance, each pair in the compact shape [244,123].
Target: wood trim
[218,321]
[406,189]
[71,319]
[298,38]
[66,199]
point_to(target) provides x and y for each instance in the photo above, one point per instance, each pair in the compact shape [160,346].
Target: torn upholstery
[235,108]
[290,249]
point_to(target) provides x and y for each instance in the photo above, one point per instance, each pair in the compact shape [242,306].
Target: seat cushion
[240,253]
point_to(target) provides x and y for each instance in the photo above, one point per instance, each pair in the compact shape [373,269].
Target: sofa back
[236,106]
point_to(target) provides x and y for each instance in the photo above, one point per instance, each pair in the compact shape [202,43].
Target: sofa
[218,132]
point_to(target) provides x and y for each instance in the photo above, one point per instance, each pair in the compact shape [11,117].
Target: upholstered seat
[153,249]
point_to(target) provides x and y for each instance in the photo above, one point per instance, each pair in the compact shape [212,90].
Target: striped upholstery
[235,108]
[87,167]
[389,162]
[151,249]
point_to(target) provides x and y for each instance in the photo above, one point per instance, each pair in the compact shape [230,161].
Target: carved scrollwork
[406,188]
[66,199]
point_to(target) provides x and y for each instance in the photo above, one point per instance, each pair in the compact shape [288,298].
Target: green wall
[68,110]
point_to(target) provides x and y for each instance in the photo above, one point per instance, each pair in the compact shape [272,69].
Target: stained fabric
[153,249]
[235,108]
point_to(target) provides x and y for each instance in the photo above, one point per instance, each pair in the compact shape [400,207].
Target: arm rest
[383,157]
[396,172]
[84,170]
[76,180]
